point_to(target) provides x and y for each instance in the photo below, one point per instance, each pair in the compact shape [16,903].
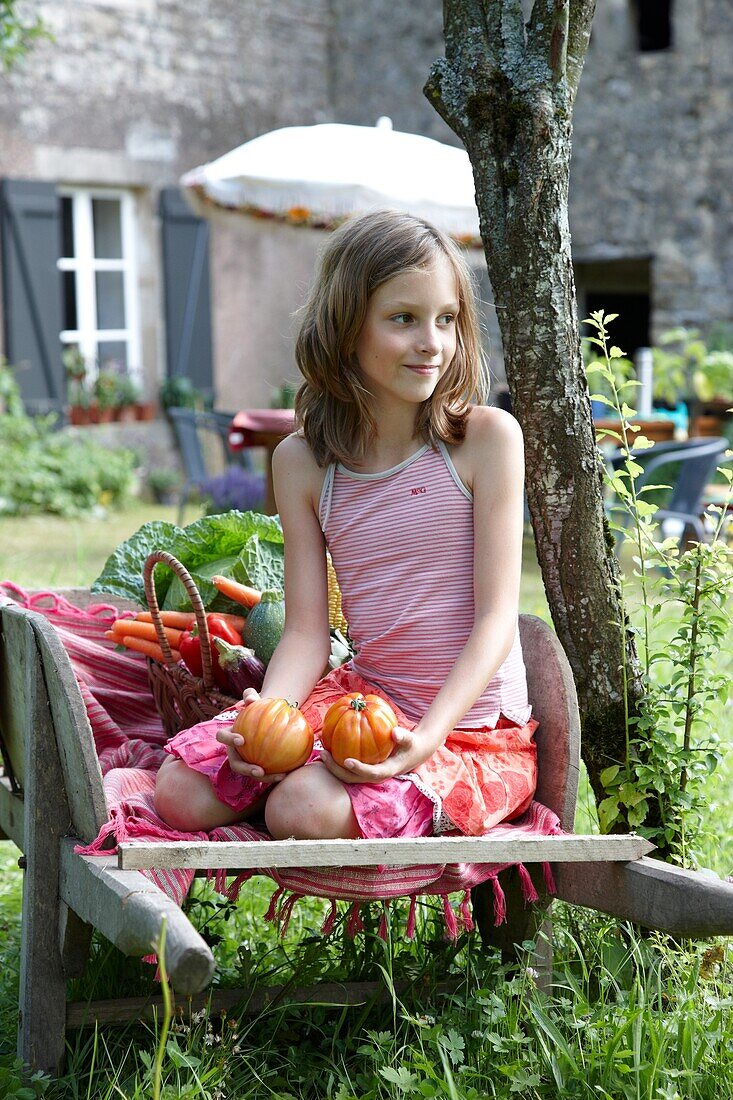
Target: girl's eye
[402,318]
[446,319]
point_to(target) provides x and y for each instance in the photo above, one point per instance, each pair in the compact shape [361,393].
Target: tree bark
[507,91]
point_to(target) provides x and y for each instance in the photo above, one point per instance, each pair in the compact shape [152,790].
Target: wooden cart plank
[236,855]
[129,909]
[651,893]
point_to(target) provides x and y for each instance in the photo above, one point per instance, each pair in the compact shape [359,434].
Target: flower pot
[145,410]
[101,416]
[78,415]
[125,414]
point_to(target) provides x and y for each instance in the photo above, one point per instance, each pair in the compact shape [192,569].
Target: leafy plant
[681,624]
[17,33]
[246,546]
[77,393]
[11,402]
[685,365]
[105,388]
[74,362]
[127,392]
[179,392]
[45,471]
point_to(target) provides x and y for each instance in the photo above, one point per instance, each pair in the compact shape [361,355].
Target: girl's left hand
[408,753]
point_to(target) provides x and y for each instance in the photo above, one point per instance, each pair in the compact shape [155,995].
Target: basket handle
[196,603]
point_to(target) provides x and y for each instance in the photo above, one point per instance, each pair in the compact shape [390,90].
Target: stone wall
[134,92]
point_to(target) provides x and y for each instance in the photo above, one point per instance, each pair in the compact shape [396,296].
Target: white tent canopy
[318,175]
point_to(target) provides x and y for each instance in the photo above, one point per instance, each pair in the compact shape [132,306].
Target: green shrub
[44,471]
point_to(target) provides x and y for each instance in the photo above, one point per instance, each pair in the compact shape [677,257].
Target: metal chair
[698,459]
[191,428]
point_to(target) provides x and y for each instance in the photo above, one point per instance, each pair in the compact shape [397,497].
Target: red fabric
[478,777]
[247,423]
[129,736]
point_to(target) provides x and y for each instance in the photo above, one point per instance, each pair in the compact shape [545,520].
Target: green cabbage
[246,546]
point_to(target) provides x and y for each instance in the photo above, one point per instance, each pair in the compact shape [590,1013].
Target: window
[99,273]
[653,19]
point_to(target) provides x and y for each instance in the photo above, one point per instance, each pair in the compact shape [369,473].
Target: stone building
[98,124]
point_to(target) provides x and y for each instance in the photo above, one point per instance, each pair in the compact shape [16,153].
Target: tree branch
[547,36]
[579,27]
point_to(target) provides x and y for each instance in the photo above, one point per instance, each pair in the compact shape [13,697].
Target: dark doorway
[653,20]
[630,330]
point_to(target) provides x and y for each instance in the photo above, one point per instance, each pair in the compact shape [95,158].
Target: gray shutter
[30,217]
[187,295]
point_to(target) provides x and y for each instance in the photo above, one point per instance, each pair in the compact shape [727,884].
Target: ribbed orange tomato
[360,727]
[277,736]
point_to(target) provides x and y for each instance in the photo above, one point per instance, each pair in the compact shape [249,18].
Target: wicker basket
[181,698]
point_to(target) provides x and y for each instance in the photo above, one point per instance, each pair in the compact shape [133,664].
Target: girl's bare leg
[310,804]
[185,800]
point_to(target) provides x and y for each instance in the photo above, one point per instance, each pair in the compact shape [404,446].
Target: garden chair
[51,797]
[195,432]
[697,460]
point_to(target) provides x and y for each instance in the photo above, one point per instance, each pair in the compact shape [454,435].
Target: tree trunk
[507,91]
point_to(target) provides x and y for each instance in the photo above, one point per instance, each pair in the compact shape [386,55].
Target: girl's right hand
[227,736]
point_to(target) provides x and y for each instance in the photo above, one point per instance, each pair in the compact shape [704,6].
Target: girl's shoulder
[493,436]
[293,461]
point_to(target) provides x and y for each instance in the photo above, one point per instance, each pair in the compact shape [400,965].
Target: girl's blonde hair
[332,405]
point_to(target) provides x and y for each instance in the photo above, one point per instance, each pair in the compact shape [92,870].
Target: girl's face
[408,339]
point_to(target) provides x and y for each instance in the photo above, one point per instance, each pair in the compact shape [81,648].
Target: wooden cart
[51,798]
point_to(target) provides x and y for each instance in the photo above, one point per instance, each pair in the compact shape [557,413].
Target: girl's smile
[408,339]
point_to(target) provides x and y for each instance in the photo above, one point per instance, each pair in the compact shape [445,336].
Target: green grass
[629,1016]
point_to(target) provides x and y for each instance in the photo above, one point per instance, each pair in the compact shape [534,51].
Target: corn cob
[336,618]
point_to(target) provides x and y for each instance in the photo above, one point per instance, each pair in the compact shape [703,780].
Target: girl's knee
[310,804]
[185,799]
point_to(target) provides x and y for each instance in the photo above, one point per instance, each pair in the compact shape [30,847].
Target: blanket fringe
[410,931]
[327,926]
[232,892]
[271,914]
[451,924]
[382,933]
[354,924]
[465,911]
[499,901]
[549,878]
[529,893]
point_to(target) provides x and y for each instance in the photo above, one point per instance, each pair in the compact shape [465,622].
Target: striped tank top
[402,546]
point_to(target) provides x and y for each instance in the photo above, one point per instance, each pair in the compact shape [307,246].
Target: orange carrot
[240,593]
[180,620]
[135,629]
[150,649]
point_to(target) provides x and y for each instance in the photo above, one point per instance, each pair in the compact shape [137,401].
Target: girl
[417,493]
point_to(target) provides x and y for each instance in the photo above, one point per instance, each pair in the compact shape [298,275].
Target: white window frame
[85,266]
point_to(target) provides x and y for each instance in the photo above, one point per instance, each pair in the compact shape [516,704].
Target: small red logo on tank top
[416,492]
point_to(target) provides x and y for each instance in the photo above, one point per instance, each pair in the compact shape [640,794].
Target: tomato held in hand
[277,736]
[359,727]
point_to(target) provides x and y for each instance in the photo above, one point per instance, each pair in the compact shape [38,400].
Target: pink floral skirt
[478,778]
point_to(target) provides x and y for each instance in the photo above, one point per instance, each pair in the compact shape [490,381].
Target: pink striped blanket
[129,739]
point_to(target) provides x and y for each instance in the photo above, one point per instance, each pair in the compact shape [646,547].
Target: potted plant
[79,403]
[77,389]
[179,392]
[127,396]
[164,484]
[104,390]
[687,366]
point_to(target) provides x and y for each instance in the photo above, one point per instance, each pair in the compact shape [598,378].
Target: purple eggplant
[243,668]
